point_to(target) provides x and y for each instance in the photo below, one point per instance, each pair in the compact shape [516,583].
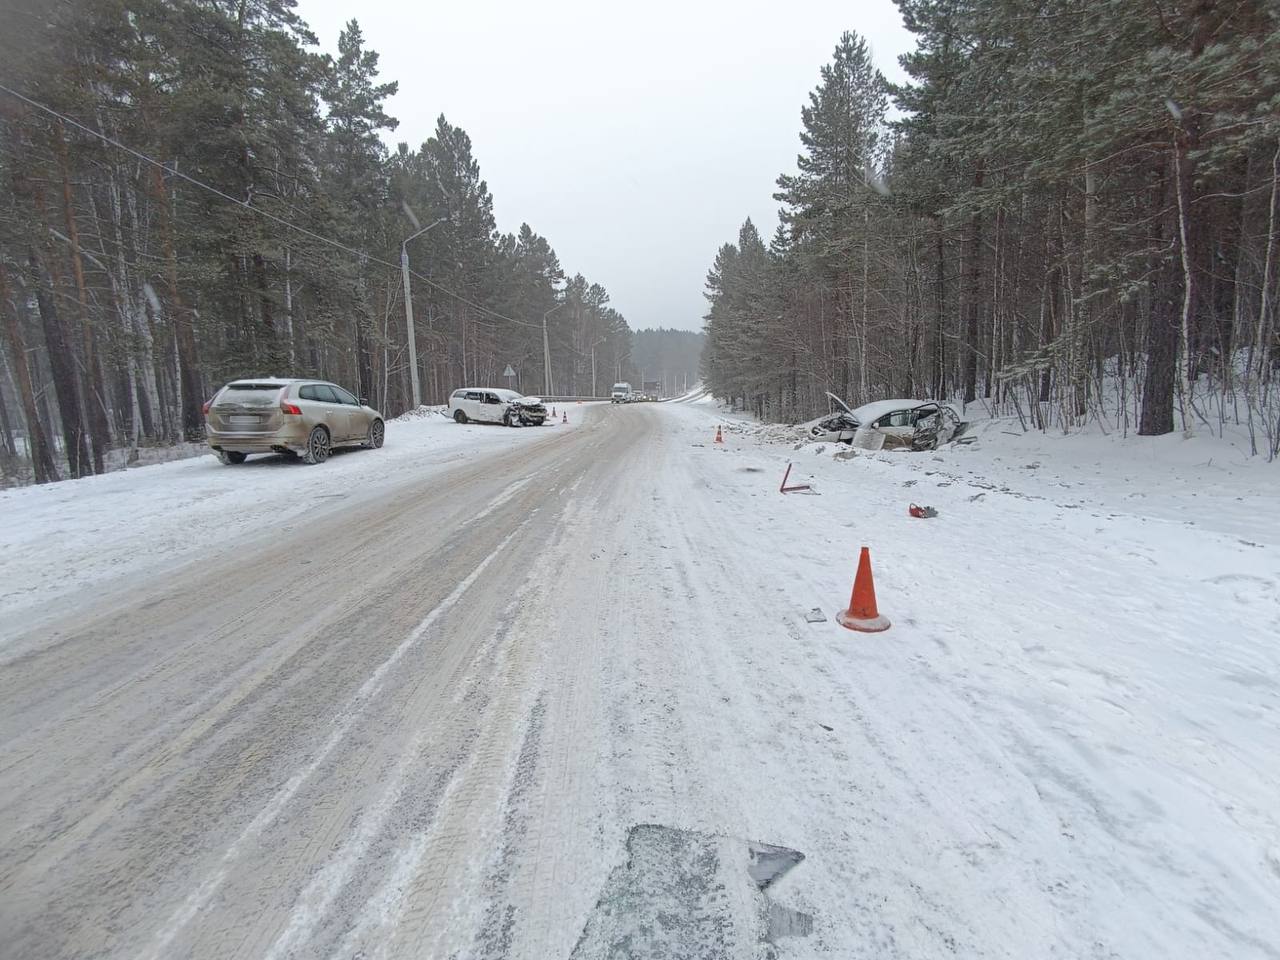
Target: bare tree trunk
[95,391]
[132,323]
[863,335]
[288,306]
[42,462]
[939,326]
[1182,189]
[62,365]
[1261,354]
[184,337]
[971,297]
[153,411]
[1156,417]
[6,427]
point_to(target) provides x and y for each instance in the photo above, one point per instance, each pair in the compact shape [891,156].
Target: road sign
[508,372]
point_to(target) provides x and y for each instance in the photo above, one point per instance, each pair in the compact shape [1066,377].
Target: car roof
[878,408]
[500,391]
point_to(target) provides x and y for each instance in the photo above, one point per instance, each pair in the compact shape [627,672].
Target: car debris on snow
[891,425]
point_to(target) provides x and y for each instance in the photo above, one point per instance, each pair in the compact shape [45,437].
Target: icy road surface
[414,702]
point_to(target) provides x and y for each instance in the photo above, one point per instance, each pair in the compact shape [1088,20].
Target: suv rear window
[252,393]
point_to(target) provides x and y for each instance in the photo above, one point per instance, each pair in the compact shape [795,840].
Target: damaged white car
[488,405]
[891,425]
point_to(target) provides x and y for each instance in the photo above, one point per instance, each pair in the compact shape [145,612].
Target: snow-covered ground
[1066,746]
[65,537]
[1072,731]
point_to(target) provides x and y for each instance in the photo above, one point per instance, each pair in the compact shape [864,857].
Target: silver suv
[301,418]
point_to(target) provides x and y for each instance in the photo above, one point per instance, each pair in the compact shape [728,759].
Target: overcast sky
[636,138]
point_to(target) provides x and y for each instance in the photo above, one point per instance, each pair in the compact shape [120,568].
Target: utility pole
[546,351]
[595,388]
[408,311]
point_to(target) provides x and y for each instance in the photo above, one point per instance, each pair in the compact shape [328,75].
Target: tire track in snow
[352,712]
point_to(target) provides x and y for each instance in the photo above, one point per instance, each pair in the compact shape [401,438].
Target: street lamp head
[422,231]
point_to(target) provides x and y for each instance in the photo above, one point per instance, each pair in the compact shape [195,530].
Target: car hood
[528,401]
[838,402]
[832,423]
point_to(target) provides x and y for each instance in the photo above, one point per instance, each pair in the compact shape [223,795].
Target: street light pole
[595,387]
[547,352]
[408,311]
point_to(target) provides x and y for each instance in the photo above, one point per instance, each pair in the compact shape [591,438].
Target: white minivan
[489,405]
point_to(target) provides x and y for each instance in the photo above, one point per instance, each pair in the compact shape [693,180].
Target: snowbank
[64,537]
[1067,743]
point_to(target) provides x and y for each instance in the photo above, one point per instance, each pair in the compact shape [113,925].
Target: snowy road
[421,722]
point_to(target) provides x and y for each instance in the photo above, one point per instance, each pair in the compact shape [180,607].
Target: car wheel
[376,433]
[317,446]
[459,417]
[512,419]
[230,457]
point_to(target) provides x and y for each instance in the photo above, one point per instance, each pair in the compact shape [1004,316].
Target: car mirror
[364,401]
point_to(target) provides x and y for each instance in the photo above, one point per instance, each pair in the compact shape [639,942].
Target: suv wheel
[317,446]
[512,419]
[459,417]
[376,433]
[230,457]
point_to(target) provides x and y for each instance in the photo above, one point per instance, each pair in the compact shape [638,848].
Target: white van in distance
[621,393]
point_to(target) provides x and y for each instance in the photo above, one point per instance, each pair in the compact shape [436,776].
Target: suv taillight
[291,409]
[207,404]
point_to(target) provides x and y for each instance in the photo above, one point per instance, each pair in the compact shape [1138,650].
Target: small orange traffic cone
[564,417]
[719,436]
[862,614]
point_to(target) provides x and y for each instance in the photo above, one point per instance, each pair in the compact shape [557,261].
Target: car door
[935,425]
[897,426]
[357,421]
[494,408]
[473,405]
[328,410]
[316,403]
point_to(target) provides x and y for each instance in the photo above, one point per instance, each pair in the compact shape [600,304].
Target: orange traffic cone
[862,614]
[564,417]
[719,437]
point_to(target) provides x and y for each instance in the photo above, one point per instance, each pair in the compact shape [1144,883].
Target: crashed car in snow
[488,405]
[891,425]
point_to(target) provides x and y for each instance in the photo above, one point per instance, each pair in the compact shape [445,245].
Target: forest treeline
[1070,216]
[669,358]
[192,193]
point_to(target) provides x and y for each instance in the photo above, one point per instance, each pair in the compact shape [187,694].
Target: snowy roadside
[1203,481]
[64,537]
[1066,744]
